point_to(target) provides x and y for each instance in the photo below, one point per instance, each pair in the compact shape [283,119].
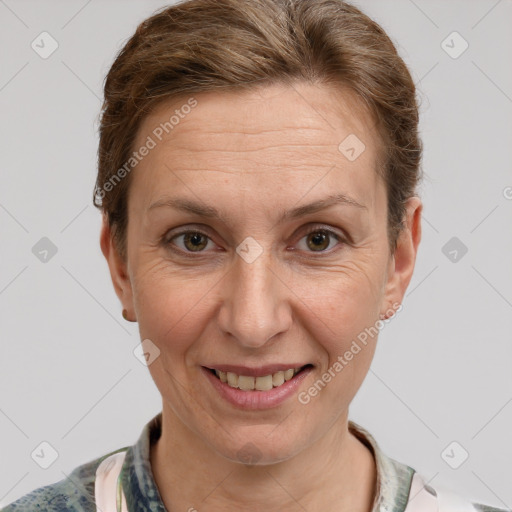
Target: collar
[142,495]
[393,478]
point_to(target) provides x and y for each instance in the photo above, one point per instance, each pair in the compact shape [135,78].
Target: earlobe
[118,270]
[404,259]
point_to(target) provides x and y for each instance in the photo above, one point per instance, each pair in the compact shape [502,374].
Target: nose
[255,306]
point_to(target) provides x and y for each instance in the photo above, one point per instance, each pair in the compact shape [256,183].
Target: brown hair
[203,45]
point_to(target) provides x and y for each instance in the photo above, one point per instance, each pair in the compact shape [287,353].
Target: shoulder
[450,500]
[480,507]
[426,498]
[74,493]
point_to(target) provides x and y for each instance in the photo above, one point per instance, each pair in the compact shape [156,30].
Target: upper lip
[259,371]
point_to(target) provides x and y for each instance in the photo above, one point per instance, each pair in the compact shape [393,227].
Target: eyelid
[321,227]
[189,228]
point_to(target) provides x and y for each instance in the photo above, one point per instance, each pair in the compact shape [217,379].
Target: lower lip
[257,399]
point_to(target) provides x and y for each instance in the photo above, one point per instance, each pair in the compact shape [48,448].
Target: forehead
[277,137]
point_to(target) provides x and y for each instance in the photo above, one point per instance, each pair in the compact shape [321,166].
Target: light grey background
[443,368]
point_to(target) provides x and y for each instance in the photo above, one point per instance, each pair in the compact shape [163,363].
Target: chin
[261,448]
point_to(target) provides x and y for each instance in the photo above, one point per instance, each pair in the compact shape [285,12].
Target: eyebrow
[202,210]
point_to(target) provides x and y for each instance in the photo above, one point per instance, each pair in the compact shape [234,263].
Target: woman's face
[235,264]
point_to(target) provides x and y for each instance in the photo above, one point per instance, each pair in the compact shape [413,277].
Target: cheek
[346,296]
[171,309]
[340,309]
[334,303]
[340,322]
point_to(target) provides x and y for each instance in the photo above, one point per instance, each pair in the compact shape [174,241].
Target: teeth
[264,383]
[245,383]
[278,379]
[232,379]
[288,374]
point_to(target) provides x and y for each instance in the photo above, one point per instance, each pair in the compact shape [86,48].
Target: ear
[118,270]
[401,264]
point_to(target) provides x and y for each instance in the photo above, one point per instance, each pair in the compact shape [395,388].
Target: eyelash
[190,254]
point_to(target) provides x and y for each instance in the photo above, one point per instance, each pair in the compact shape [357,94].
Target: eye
[192,241]
[318,239]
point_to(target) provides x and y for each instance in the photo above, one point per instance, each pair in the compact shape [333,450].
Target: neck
[337,468]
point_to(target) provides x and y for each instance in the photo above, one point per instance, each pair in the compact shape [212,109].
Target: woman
[258,166]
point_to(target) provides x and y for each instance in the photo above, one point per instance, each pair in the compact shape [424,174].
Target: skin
[253,155]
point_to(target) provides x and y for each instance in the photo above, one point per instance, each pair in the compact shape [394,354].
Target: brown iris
[195,241]
[318,237]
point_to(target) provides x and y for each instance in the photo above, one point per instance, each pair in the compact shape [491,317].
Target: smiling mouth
[263,383]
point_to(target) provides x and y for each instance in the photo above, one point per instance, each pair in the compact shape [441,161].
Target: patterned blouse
[399,487]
